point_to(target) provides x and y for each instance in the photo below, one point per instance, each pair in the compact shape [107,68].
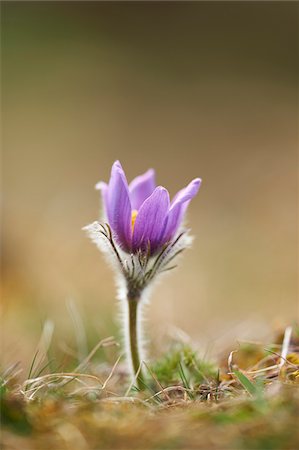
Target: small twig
[280,356]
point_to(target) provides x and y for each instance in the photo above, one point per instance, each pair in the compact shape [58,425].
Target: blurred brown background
[191,89]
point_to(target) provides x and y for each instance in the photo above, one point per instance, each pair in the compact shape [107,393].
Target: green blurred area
[191,89]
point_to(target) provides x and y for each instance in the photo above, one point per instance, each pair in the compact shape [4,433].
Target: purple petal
[179,206]
[151,221]
[119,209]
[141,188]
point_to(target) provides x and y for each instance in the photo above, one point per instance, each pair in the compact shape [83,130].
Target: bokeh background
[203,89]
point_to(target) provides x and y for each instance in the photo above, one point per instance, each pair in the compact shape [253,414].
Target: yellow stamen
[134,215]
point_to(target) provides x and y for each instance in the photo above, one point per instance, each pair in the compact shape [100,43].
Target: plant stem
[133,341]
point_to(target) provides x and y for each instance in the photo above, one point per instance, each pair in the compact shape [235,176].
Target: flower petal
[119,209]
[178,207]
[141,188]
[151,221]
[103,187]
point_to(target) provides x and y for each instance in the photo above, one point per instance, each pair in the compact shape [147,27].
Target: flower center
[134,215]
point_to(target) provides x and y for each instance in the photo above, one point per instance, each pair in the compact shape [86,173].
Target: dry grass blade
[134,379]
[79,329]
[112,372]
[230,360]
[103,343]
[169,389]
[157,382]
[285,345]
[54,381]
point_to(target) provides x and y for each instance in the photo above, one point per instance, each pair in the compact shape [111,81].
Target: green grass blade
[185,381]
[246,383]
[32,365]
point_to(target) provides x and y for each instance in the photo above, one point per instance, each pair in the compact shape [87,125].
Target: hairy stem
[134,356]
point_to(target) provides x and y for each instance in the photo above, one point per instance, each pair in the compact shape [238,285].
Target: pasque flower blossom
[141,216]
[142,232]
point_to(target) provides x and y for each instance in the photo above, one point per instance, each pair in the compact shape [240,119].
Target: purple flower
[140,214]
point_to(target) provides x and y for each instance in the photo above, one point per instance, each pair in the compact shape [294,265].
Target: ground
[248,399]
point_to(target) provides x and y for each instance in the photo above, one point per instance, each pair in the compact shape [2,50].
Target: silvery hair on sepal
[138,270]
